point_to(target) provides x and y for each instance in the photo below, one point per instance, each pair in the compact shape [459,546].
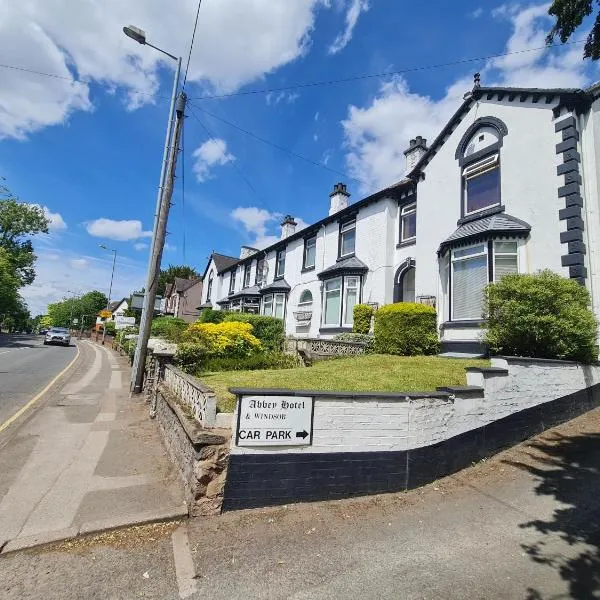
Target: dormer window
[481,184]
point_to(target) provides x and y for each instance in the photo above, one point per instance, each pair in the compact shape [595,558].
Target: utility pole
[139,360]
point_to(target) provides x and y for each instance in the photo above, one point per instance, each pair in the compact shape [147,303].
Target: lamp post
[112,274]
[71,309]
[160,217]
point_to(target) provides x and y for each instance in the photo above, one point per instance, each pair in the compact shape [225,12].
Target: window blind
[469,277]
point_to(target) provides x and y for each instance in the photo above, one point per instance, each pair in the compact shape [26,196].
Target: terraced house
[510,185]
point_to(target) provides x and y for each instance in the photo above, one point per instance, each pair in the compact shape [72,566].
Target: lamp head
[135,33]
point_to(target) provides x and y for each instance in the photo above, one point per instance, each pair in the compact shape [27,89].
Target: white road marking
[184,564]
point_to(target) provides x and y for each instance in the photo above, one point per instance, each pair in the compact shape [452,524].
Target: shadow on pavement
[19,341]
[568,469]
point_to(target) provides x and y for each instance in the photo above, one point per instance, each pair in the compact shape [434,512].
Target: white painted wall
[378,424]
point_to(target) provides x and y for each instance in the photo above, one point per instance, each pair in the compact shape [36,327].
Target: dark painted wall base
[466,347]
[255,480]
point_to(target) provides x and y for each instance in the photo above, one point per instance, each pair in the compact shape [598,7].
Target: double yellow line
[25,408]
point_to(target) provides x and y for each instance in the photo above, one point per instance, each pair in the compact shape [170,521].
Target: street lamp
[71,309]
[137,373]
[112,274]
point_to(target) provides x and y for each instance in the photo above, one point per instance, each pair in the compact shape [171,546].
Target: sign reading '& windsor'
[275,421]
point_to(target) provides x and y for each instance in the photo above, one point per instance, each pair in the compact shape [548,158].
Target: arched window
[404,283]
[305,298]
[209,288]
[478,154]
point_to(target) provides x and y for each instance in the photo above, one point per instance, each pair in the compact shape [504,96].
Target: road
[26,367]
[522,525]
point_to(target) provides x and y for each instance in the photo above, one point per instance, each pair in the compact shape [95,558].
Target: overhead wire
[192,44]
[310,84]
[274,144]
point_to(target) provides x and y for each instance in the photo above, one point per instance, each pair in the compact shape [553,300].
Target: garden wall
[364,443]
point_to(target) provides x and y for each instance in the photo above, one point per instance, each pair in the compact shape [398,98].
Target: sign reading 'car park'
[275,421]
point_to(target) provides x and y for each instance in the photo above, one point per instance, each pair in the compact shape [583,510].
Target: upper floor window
[247,275]
[280,264]
[408,223]
[310,252]
[210,284]
[260,272]
[481,182]
[232,281]
[347,238]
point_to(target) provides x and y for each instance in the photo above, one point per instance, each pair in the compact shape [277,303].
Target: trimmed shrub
[110,328]
[362,318]
[169,328]
[542,315]
[269,330]
[262,360]
[366,338]
[190,357]
[223,339]
[209,315]
[406,329]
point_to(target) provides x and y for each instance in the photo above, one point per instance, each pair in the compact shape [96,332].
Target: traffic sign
[105,314]
[275,421]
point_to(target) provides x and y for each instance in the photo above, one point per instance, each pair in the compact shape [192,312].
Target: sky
[85,140]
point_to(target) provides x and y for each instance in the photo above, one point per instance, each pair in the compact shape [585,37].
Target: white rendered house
[511,184]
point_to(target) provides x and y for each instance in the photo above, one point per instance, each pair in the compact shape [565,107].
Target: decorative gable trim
[494,122]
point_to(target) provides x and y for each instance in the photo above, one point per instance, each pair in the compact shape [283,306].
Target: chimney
[417,148]
[339,198]
[247,251]
[288,227]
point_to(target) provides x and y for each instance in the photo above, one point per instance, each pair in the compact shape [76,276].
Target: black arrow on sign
[302,434]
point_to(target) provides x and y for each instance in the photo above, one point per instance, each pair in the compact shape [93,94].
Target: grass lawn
[372,372]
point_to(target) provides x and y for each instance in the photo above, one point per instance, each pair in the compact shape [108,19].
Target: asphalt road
[26,367]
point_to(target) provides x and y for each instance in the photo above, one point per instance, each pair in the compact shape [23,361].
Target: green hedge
[542,315]
[170,328]
[209,315]
[262,361]
[190,356]
[362,318]
[406,329]
[269,330]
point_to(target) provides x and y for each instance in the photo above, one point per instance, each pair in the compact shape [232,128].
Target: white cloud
[59,271]
[277,97]
[343,38]
[79,263]
[121,231]
[57,223]
[212,153]
[317,116]
[170,247]
[140,246]
[475,14]
[85,40]
[316,137]
[259,223]
[377,134]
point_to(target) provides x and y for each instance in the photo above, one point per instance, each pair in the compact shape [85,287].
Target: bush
[110,328]
[169,328]
[209,315]
[190,357]
[542,315]
[362,318]
[406,329]
[269,330]
[262,360]
[223,339]
[365,338]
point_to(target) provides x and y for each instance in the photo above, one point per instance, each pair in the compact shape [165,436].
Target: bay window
[347,238]
[273,305]
[481,184]
[340,295]
[470,273]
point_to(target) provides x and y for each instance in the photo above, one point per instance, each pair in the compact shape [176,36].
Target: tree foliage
[86,306]
[569,16]
[168,276]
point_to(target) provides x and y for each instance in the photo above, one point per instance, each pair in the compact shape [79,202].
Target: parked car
[58,335]
[43,331]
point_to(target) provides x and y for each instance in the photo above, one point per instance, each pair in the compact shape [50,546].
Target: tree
[88,305]
[569,15]
[168,276]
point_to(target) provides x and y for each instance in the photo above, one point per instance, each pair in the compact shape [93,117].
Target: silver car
[58,335]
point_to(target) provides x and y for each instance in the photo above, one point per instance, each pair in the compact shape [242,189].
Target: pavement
[523,524]
[79,455]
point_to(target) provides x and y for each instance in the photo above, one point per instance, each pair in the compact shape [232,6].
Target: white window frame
[209,286]
[260,271]
[497,254]
[344,229]
[247,274]
[313,241]
[346,288]
[407,211]
[232,275]
[340,321]
[306,302]
[279,300]
[475,170]
[267,300]
[273,300]
[278,274]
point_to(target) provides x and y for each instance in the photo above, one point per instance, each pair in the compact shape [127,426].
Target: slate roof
[346,266]
[223,262]
[501,223]
[253,290]
[279,285]
[115,304]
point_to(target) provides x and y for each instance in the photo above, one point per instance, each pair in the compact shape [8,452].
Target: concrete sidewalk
[88,459]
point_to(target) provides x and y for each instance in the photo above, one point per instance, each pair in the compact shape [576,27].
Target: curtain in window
[469,277]
[279,305]
[268,306]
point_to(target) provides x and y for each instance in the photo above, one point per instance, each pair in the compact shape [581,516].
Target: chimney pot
[416,149]
[288,226]
[338,198]
[477,80]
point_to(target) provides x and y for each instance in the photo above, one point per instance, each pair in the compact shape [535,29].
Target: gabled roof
[223,262]
[116,304]
[483,228]
[346,266]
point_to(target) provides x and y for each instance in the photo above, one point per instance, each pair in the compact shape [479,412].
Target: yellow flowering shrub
[231,338]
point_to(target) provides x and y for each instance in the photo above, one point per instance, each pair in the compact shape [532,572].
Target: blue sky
[90,151]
